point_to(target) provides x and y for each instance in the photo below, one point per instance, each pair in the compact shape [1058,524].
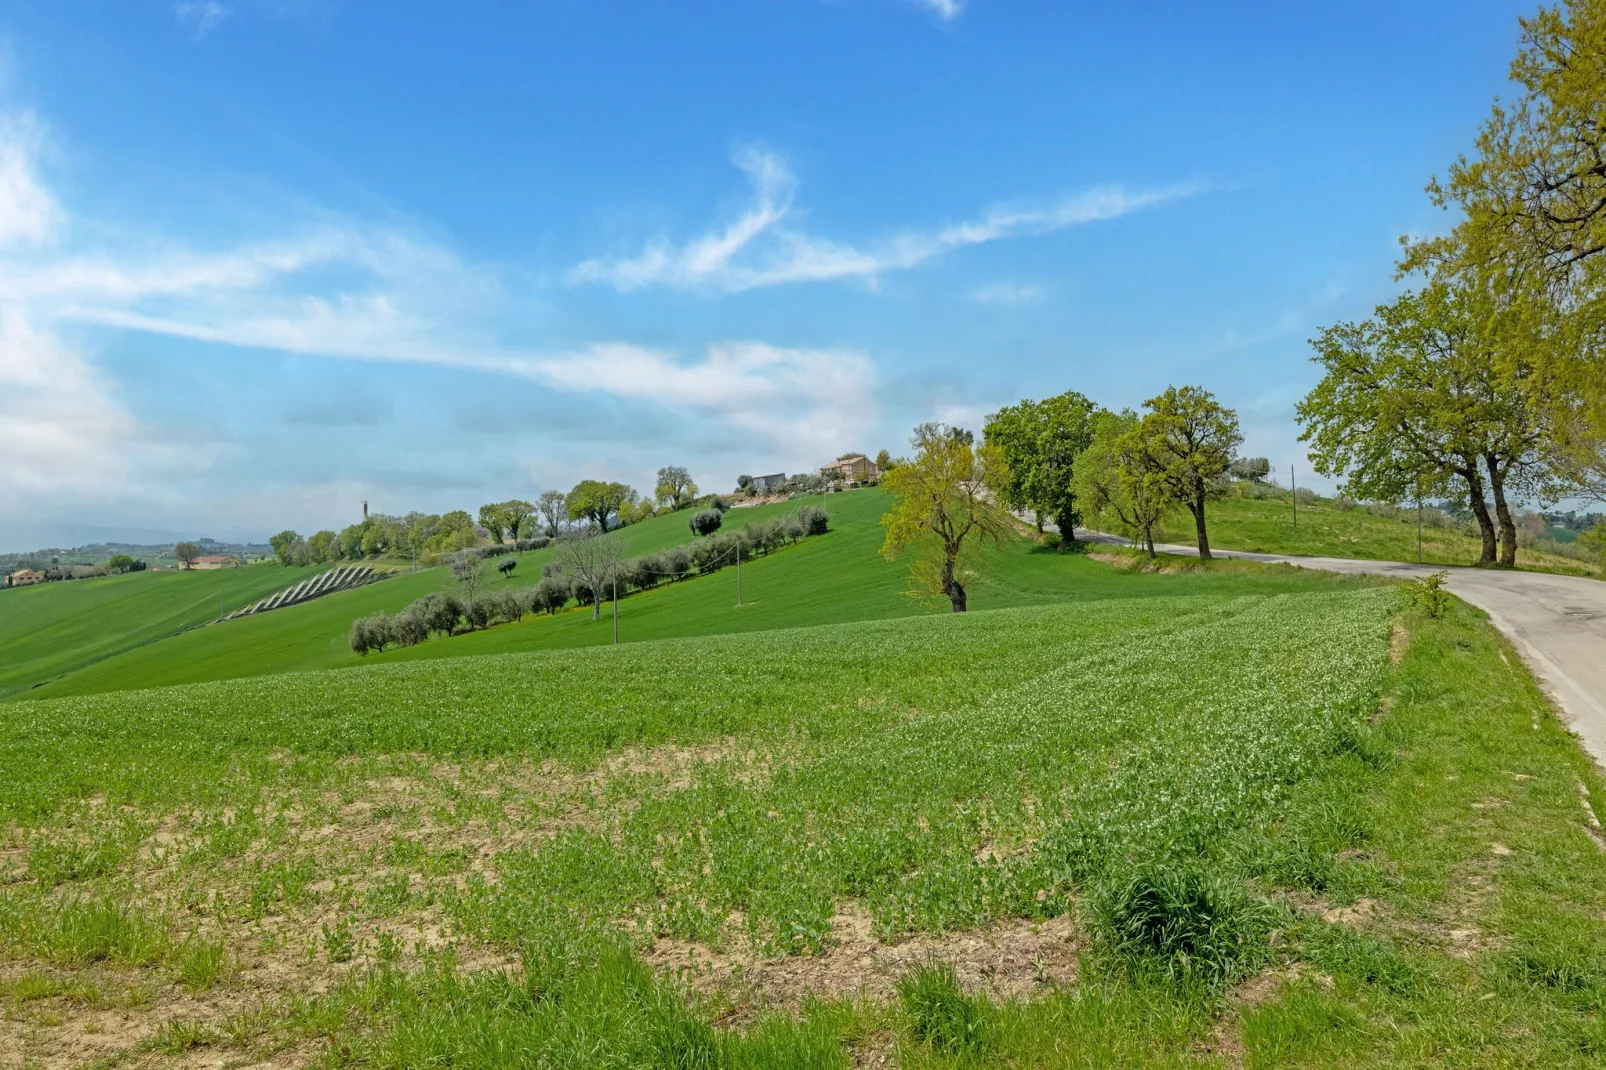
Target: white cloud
[947,10]
[760,249]
[1009,293]
[28,213]
[796,403]
[61,429]
[201,16]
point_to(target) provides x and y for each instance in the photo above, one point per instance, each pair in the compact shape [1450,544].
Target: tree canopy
[675,487]
[1039,442]
[1113,482]
[1183,446]
[596,501]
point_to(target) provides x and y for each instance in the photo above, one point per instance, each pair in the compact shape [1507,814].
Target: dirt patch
[1355,915]
[1399,639]
[1007,960]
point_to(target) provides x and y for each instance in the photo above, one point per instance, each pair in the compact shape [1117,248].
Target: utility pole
[738,575]
[1293,496]
[1419,527]
[616,607]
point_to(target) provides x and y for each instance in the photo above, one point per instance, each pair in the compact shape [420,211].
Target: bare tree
[553,509]
[591,558]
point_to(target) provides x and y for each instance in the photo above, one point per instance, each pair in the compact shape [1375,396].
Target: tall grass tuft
[1181,921]
[940,1014]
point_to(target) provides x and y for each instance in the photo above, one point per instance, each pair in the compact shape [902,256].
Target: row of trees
[590,503]
[1488,379]
[587,568]
[1065,457]
[1058,459]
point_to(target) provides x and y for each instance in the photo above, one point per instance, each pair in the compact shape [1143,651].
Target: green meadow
[825,579]
[52,629]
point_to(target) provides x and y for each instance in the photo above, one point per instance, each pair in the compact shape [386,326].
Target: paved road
[1557,622]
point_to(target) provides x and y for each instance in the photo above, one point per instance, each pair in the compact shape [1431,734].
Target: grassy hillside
[1119,828]
[1324,530]
[825,579]
[56,628]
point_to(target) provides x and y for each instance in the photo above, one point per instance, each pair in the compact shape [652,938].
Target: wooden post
[738,574]
[616,607]
[1419,528]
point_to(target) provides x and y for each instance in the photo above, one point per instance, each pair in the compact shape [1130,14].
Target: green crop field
[1267,526]
[52,629]
[1209,827]
[825,579]
[101,618]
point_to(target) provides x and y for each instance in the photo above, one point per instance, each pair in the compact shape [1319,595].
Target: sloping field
[745,803]
[1222,828]
[107,617]
[826,579]
[52,629]
[1324,530]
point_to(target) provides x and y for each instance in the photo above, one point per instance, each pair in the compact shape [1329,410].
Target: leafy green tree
[943,510]
[1532,202]
[884,461]
[1183,446]
[503,518]
[120,563]
[1112,481]
[1039,443]
[596,501]
[675,487]
[1429,390]
[283,545]
[323,546]
[1594,539]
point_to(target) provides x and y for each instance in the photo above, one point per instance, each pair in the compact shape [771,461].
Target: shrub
[815,520]
[1051,540]
[675,562]
[370,633]
[534,542]
[1428,593]
[713,554]
[1179,920]
[1306,496]
[794,529]
[441,612]
[409,627]
[718,502]
[478,613]
[1382,510]
[706,521]
[551,596]
[506,567]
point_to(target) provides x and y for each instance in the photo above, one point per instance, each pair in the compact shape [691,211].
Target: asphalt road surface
[1558,623]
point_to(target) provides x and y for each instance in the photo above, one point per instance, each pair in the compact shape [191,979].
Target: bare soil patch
[1008,960]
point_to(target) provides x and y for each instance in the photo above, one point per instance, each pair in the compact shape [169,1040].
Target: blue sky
[263,260]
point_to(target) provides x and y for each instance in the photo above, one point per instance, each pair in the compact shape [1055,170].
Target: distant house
[768,484]
[854,468]
[216,561]
[26,577]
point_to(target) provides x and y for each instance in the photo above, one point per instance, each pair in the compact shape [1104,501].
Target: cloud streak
[762,247]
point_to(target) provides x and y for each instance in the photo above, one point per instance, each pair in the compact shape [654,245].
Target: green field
[1324,530]
[825,579]
[52,629]
[1209,824]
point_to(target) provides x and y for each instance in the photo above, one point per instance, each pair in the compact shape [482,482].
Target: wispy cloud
[201,17]
[342,289]
[28,212]
[947,10]
[1009,293]
[762,248]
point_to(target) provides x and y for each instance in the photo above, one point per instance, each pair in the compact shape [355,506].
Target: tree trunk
[1067,525]
[1197,508]
[1508,529]
[1480,510]
[951,586]
[1148,541]
[596,603]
